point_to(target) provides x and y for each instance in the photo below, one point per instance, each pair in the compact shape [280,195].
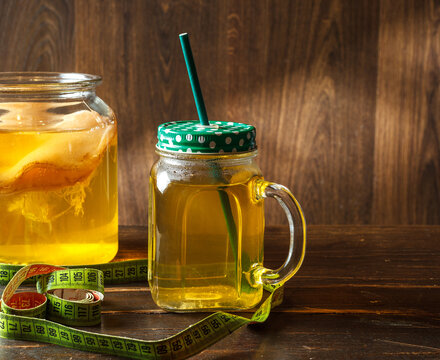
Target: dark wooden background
[344,94]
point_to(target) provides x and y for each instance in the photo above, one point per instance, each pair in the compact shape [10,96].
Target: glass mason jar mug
[58,170]
[206,219]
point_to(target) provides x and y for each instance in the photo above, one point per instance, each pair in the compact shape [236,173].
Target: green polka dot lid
[216,138]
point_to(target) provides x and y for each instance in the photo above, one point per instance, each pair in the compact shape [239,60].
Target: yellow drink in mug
[206,219]
[58,170]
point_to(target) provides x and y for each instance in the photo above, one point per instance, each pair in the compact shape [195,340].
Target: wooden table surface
[363,292]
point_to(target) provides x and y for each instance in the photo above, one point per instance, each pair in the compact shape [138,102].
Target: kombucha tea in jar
[58,170]
[206,219]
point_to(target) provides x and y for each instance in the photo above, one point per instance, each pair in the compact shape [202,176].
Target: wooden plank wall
[344,94]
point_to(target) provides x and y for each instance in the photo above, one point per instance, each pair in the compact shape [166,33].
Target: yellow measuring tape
[44,316]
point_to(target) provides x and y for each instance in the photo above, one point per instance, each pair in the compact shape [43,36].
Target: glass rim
[43,82]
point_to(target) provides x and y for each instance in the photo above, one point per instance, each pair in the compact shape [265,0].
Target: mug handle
[297,226]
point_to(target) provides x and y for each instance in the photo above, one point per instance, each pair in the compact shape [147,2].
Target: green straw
[203,118]
[194,79]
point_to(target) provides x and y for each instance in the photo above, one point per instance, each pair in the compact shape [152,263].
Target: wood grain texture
[344,95]
[308,83]
[37,35]
[364,290]
[407,140]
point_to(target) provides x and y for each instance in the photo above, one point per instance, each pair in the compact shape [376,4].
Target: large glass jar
[58,170]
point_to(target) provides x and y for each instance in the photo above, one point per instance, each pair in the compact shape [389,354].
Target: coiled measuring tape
[44,316]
